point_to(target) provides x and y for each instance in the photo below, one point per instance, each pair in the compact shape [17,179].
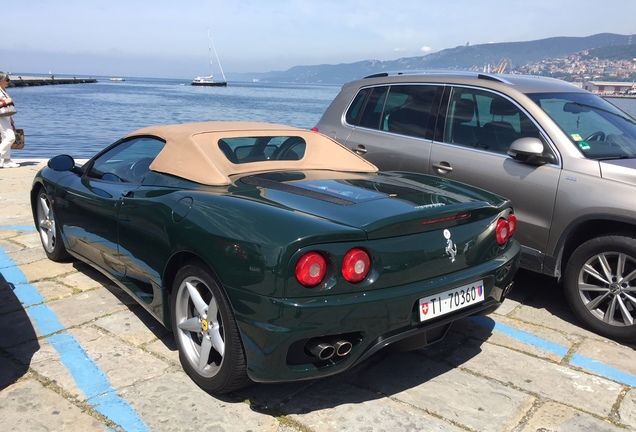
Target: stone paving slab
[163,409]
[618,356]
[29,406]
[564,418]
[44,360]
[51,290]
[482,377]
[474,330]
[627,410]
[132,328]
[536,376]
[123,364]
[337,406]
[548,309]
[451,393]
[45,269]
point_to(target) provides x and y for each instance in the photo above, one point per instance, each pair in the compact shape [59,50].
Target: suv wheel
[600,285]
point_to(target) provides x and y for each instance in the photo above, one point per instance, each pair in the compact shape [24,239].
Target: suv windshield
[595,126]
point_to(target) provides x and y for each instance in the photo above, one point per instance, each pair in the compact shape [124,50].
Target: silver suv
[566,158]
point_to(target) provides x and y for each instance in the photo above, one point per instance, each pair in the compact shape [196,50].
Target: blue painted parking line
[583,362]
[87,375]
[17,228]
[521,336]
[603,370]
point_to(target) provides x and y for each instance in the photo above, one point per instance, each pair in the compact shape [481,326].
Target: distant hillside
[614,52]
[462,57]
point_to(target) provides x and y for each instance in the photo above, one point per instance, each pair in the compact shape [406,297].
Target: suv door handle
[443,167]
[360,150]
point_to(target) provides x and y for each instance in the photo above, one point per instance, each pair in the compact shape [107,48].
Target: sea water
[81,119]
[627,104]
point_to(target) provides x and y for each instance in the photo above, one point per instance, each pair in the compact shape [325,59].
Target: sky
[168,39]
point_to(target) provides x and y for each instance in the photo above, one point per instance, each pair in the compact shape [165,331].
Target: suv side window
[485,120]
[372,112]
[401,109]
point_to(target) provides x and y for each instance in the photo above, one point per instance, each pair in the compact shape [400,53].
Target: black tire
[47,228]
[600,286]
[202,319]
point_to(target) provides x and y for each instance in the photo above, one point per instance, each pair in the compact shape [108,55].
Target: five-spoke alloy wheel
[205,331]
[48,229]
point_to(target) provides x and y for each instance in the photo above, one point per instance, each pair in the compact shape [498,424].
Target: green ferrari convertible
[274,253]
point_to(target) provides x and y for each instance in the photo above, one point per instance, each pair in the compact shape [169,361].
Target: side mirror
[61,163]
[528,150]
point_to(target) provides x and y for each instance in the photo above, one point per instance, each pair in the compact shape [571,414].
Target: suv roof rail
[486,76]
[421,72]
[494,77]
[377,75]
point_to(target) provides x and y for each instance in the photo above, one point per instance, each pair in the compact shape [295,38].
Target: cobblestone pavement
[528,367]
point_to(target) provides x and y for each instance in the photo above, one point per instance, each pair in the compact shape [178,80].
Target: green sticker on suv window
[583,145]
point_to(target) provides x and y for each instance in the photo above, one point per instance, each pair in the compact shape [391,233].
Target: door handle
[443,167]
[360,150]
[127,194]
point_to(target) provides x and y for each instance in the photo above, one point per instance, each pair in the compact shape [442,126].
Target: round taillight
[356,265]
[512,224]
[502,231]
[311,269]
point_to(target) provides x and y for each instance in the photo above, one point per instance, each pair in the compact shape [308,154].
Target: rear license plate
[451,300]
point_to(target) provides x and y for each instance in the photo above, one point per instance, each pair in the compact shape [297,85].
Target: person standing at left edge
[7,132]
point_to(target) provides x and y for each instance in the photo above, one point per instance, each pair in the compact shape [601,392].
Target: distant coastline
[31,81]
[618,96]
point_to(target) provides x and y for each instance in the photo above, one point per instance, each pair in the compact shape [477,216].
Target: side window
[485,120]
[400,109]
[372,110]
[355,109]
[408,110]
[129,161]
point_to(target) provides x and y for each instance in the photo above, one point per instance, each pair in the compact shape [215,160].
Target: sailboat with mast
[209,80]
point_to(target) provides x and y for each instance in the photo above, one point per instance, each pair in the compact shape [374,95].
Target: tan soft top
[192,151]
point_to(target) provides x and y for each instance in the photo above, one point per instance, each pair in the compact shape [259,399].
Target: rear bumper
[277,333]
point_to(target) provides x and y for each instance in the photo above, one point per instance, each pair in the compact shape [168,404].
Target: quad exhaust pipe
[342,347]
[508,288]
[325,349]
[322,350]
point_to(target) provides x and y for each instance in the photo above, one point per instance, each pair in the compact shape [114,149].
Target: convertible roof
[192,151]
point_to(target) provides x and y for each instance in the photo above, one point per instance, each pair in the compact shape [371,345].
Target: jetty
[30,81]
